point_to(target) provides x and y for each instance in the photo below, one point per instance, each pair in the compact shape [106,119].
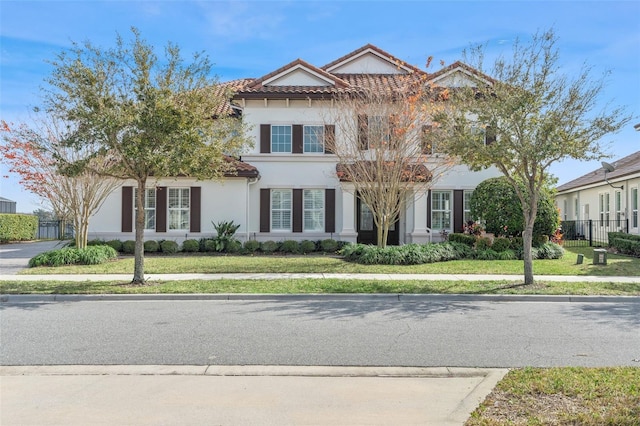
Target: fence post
[590,233]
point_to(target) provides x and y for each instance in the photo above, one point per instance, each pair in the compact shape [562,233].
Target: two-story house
[287,186]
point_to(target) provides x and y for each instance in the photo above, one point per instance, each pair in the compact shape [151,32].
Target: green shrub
[129,247]
[191,246]
[151,246]
[251,246]
[94,242]
[540,240]
[290,246]
[469,240]
[115,244]
[307,246]
[501,244]
[507,254]
[92,255]
[483,243]
[18,227]
[550,251]
[169,247]
[208,245]
[517,243]
[627,246]
[225,234]
[269,246]
[487,254]
[633,237]
[329,246]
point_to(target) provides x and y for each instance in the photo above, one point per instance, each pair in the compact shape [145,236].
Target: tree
[37,154]
[381,150]
[526,117]
[497,204]
[153,117]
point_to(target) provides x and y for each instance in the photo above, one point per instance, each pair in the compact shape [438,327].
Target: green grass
[617,265]
[313,286]
[563,396]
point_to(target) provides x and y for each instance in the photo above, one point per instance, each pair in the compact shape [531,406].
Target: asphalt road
[310,331]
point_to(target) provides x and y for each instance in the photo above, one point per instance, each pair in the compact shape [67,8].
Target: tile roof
[625,166]
[355,53]
[459,64]
[224,91]
[242,169]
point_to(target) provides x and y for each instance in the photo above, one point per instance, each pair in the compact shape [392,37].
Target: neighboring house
[287,186]
[610,207]
[7,206]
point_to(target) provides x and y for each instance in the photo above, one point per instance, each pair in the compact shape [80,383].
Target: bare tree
[381,146]
[38,155]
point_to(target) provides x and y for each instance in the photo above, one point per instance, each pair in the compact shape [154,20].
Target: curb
[377,297]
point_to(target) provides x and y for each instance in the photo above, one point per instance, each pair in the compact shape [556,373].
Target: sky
[253,38]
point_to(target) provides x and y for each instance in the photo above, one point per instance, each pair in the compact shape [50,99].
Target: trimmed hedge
[18,227]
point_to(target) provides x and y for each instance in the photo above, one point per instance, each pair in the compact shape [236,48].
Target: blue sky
[252,38]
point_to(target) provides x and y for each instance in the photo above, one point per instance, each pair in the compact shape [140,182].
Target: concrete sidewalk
[247,395]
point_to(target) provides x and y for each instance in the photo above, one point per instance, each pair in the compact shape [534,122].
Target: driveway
[15,256]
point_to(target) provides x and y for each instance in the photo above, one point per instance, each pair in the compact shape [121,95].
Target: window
[634,207]
[466,206]
[178,208]
[575,208]
[618,206]
[313,138]
[281,210]
[441,210]
[565,205]
[313,205]
[280,138]
[149,207]
[604,209]
[378,128]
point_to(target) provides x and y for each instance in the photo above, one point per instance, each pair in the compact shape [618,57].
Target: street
[313,331]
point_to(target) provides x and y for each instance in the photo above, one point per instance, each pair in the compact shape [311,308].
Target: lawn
[158,264]
[563,396]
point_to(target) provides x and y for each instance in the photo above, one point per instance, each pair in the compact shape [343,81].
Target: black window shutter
[429,209]
[296,138]
[195,209]
[265,138]
[265,210]
[363,132]
[458,210]
[297,210]
[127,209]
[329,138]
[161,209]
[330,210]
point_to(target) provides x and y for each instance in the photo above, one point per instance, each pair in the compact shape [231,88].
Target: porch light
[608,168]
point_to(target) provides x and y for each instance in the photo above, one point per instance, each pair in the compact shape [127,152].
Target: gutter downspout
[250,181]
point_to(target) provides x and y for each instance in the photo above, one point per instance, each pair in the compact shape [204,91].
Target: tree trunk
[138,270]
[527,237]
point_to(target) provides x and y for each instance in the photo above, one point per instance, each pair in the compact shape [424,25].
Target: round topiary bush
[169,247]
[269,246]
[151,246]
[129,247]
[329,246]
[501,244]
[290,246]
[233,246]
[307,246]
[115,244]
[251,246]
[191,246]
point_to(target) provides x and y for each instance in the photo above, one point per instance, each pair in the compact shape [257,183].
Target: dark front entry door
[368,231]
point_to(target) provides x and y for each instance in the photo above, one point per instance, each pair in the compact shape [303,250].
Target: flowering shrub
[473,228]
[557,236]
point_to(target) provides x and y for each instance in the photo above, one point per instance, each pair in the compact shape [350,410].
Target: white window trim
[178,209]
[635,201]
[322,136]
[450,210]
[290,210]
[290,139]
[147,209]
[317,210]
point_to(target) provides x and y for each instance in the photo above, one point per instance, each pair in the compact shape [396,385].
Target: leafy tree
[381,147]
[497,204]
[526,117]
[153,117]
[37,154]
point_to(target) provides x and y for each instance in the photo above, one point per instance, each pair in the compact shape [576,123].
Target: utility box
[599,256]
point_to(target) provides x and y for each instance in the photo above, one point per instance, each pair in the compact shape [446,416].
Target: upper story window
[313,139]
[280,138]
[149,207]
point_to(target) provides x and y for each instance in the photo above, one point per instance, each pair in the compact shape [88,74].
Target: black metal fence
[54,230]
[589,233]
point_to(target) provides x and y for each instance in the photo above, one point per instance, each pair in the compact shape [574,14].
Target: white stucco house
[286,186]
[609,201]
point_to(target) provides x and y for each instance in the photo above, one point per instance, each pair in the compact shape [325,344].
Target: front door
[368,231]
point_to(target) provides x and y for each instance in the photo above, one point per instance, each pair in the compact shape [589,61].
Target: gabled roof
[455,67]
[623,167]
[374,50]
[298,64]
